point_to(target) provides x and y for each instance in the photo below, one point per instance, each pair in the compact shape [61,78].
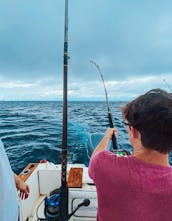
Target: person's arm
[22,187]
[105,140]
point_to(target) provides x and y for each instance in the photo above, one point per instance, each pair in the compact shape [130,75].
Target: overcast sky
[130,40]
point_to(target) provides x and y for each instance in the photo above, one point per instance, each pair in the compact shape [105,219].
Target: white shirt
[8,191]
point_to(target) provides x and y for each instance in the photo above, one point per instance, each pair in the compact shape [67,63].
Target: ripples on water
[32,131]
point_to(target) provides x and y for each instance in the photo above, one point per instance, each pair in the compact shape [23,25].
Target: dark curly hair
[151,115]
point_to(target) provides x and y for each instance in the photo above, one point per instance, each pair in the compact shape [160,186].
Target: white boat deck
[38,210]
[47,177]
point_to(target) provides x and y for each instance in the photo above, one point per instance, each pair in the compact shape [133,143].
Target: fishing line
[170,89]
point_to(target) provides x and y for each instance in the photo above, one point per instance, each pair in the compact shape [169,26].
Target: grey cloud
[126,38]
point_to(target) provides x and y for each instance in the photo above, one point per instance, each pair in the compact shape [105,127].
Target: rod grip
[110,120]
[114,142]
[64,192]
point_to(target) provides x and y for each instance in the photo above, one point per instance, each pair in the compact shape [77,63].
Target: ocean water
[32,131]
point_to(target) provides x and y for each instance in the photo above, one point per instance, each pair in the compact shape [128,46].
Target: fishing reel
[120,152]
[52,207]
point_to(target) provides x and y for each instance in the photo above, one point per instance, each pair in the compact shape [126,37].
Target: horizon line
[72,100]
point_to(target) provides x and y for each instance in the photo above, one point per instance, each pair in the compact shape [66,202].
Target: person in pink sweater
[137,187]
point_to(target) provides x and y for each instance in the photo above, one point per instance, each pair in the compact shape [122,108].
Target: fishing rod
[114,142]
[56,205]
[64,192]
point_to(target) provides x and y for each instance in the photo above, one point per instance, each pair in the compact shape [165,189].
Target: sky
[130,40]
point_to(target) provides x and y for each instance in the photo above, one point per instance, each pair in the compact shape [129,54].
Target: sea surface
[32,130]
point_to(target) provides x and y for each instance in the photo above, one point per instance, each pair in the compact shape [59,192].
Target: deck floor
[38,211]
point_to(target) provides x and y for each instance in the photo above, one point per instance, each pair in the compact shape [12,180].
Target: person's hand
[24,190]
[22,187]
[110,132]
[105,140]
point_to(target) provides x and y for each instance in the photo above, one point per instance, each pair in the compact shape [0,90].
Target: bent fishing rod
[114,142]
